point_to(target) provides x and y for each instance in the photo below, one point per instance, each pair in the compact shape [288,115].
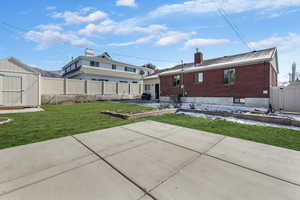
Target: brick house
[229,80]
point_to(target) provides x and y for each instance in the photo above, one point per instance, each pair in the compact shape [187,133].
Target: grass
[60,120]
[63,120]
[281,137]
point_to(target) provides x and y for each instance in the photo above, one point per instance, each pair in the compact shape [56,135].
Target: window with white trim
[199,78]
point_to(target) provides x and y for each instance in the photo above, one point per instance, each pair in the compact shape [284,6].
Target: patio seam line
[29,174]
[49,177]
[254,170]
[127,149]
[218,142]
[157,138]
[176,172]
[116,169]
[206,153]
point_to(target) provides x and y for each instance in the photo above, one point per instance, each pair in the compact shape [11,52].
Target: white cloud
[231,6]
[138,41]
[201,42]
[291,41]
[53,27]
[77,17]
[129,3]
[49,38]
[173,37]
[125,27]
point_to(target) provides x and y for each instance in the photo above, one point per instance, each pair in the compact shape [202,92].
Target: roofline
[216,66]
[201,67]
[240,54]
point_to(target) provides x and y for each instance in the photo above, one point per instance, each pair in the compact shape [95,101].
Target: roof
[34,70]
[103,58]
[151,77]
[265,55]
[46,73]
[20,64]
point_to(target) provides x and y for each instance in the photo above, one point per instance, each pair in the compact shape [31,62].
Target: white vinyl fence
[59,86]
[286,98]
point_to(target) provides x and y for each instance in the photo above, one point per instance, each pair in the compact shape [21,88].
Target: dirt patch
[135,114]
[275,119]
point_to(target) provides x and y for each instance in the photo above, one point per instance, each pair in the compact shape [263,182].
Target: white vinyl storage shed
[19,84]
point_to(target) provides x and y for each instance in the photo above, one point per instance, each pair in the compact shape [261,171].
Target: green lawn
[59,120]
[63,120]
[281,137]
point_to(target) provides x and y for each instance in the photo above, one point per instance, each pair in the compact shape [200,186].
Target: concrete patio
[149,160]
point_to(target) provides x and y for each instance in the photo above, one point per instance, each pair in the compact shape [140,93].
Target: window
[176,81]
[94,64]
[147,87]
[113,66]
[229,76]
[130,69]
[199,77]
[239,100]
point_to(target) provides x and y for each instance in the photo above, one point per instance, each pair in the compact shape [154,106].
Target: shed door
[11,91]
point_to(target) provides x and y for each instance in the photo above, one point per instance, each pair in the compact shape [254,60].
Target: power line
[234,27]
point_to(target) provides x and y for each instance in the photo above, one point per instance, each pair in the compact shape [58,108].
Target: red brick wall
[250,81]
[273,77]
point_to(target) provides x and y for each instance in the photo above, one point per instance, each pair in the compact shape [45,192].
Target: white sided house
[152,86]
[104,68]
[19,84]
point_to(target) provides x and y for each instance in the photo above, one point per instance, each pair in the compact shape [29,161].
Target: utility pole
[182,84]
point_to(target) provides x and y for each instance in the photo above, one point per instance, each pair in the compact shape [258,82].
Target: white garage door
[11,91]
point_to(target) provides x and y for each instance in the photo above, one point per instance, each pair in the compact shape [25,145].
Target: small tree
[150,66]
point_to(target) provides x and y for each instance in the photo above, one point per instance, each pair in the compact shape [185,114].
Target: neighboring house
[151,86]
[238,79]
[104,68]
[19,84]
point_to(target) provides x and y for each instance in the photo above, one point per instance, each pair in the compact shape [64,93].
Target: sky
[48,33]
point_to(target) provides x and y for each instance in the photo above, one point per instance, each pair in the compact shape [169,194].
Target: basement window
[239,100]
[229,76]
[176,81]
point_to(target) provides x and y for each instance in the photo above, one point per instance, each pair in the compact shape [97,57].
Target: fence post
[117,88]
[86,86]
[65,86]
[129,88]
[102,88]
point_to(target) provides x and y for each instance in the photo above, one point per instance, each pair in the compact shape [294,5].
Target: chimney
[198,57]
[89,52]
